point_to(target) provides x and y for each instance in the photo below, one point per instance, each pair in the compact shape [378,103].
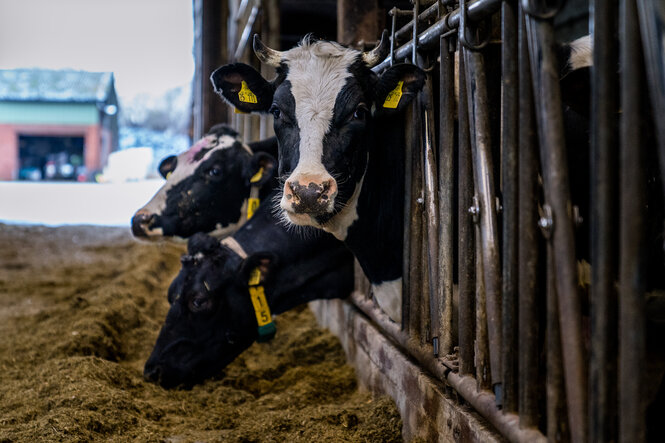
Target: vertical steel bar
[510,202]
[446,187]
[632,333]
[483,174]
[557,424]
[482,351]
[604,250]
[545,74]
[416,241]
[466,247]
[431,214]
[409,145]
[528,239]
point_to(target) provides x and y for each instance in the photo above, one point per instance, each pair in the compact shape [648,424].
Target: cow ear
[168,165]
[397,86]
[243,87]
[261,169]
[265,262]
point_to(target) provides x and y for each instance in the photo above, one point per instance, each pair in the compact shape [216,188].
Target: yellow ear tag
[237,111]
[245,95]
[254,277]
[258,296]
[168,174]
[252,206]
[392,100]
[256,177]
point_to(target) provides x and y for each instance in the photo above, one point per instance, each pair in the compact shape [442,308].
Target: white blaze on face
[185,168]
[388,295]
[317,73]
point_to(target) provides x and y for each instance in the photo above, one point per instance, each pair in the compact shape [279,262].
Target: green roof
[45,85]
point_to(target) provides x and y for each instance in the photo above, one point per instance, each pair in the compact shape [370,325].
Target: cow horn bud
[267,56]
[376,55]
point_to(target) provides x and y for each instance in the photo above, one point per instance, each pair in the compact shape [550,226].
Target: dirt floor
[80,308]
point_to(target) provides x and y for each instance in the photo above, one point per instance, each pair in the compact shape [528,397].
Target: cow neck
[301,262]
[376,237]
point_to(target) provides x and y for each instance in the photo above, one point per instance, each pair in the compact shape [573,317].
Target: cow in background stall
[213,187]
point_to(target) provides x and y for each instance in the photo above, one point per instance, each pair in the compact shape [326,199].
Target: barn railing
[493,296]
[493,292]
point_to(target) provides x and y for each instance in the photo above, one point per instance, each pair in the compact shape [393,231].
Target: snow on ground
[58,203]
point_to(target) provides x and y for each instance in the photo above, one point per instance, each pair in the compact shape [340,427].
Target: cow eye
[215,172]
[199,303]
[274,110]
[360,113]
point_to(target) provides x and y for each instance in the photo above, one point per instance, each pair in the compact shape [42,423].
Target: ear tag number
[245,95]
[261,309]
[256,177]
[252,206]
[394,96]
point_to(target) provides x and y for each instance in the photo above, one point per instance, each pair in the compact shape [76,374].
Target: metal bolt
[474,210]
[546,222]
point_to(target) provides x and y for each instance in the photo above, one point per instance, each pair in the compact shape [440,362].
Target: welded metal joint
[474,210]
[546,222]
[475,42]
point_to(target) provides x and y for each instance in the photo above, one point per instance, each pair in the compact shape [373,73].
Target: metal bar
[414,48]
[416,241]
[557,424]
[246,33]
[407,29]
[446,187]
[409,208]
[483,401]
[527,359]
[476,10]
[483,175]
[604,251]
[432,215]
[632,239]
[481,357]
[509,177]
[544,72]
[652,20]
[466,248]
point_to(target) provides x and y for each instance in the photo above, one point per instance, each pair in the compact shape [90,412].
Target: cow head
[206,188]
[211,319]
[325,102]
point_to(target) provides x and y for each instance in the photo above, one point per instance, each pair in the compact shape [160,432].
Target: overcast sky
[146,43]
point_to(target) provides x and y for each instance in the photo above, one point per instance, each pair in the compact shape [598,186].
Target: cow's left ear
[265,262]
[260,169]
[243,87]
[397,86]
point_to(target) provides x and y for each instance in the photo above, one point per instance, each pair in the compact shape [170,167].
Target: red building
[56,124]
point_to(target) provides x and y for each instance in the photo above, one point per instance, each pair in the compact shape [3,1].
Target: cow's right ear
[243,87]
[168,165]
[260,169]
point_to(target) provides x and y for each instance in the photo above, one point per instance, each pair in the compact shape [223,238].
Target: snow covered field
[56,203]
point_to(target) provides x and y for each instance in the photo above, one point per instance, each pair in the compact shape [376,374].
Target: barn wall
[427,411]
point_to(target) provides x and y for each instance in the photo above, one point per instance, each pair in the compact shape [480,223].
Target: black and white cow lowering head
[207,188]
[324,101]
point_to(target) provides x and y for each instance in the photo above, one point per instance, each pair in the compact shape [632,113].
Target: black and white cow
[212,187]
[212,318]
[341,154]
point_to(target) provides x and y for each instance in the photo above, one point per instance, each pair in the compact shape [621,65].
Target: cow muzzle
[309,195]
[142,222]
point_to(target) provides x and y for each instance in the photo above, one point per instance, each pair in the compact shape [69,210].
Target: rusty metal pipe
[446,179]
[509,177]
[632,239]
[483,175]
[545,75]
[604,213]
[466,247]
[483,402]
